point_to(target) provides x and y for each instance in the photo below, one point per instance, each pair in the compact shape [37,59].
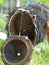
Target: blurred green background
[40,55]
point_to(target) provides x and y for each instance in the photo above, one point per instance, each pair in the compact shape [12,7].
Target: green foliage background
[41,54]
[35,1]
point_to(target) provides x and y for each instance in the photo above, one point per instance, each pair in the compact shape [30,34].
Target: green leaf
[1,62]
[1,2]
[2,23]
[1,42]
[44,1]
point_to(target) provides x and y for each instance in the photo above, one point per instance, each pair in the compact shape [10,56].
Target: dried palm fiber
[42,16]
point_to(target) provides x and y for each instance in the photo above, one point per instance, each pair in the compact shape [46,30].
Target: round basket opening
[15,51]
